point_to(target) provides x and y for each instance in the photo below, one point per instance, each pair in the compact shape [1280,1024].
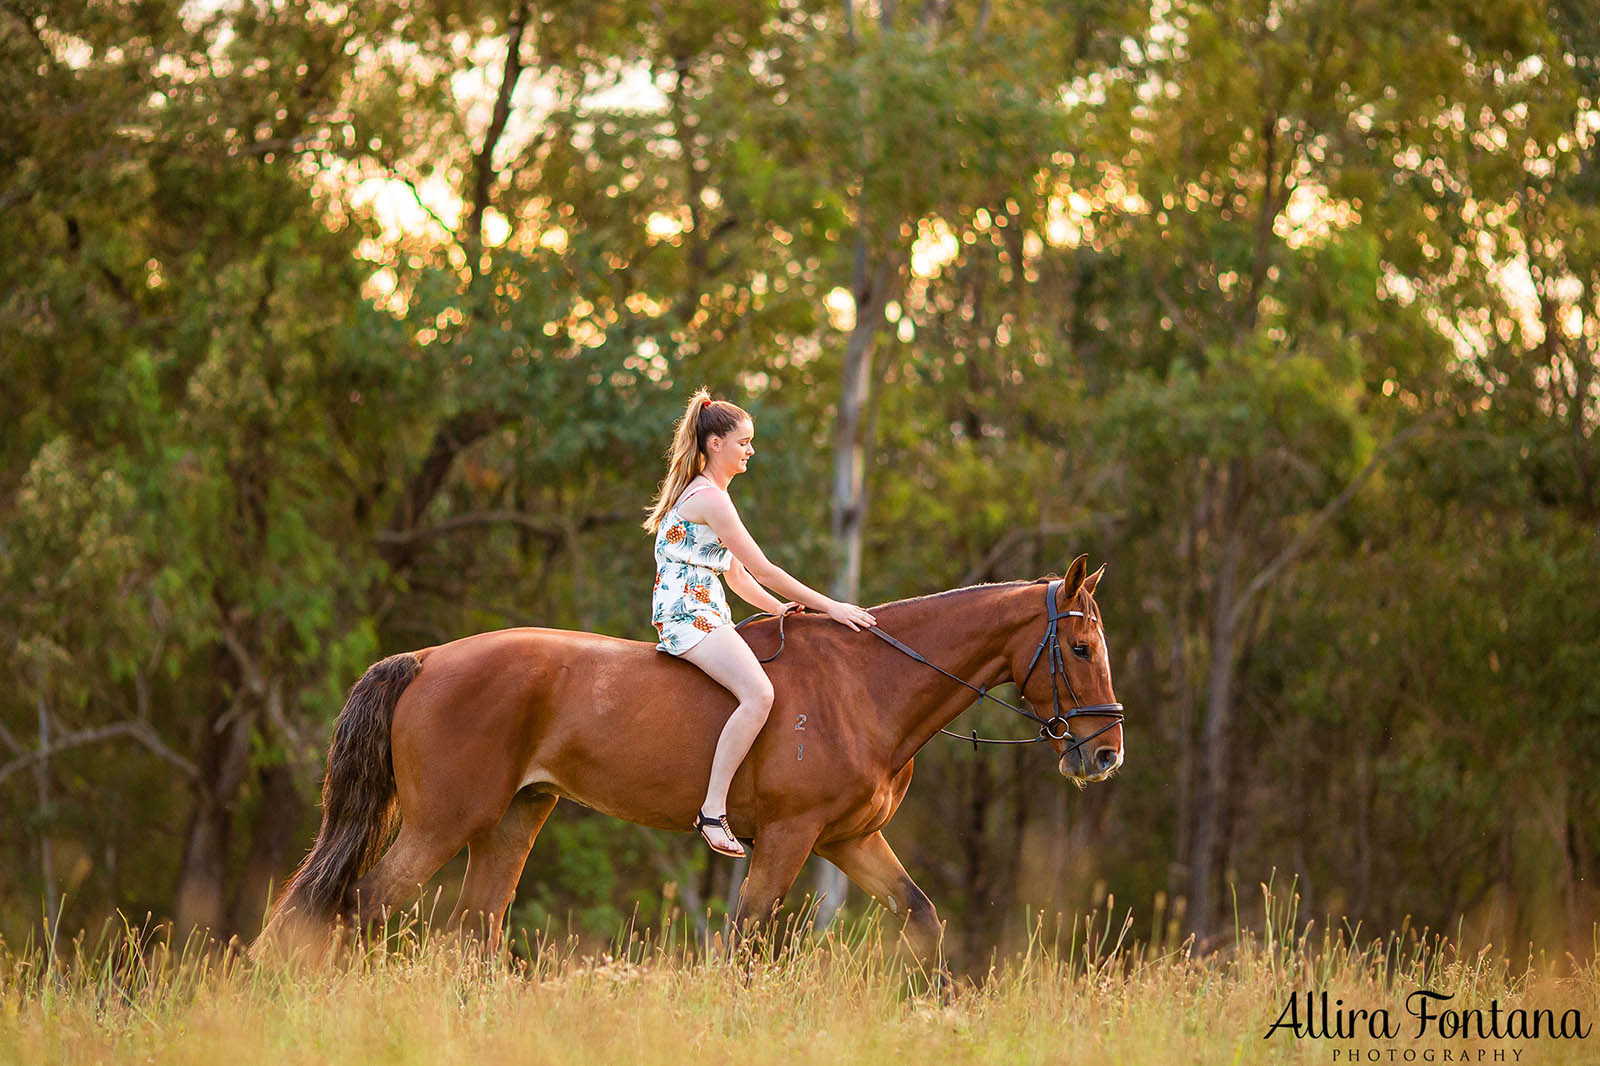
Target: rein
[767,614]
[1053,728]
[981,690]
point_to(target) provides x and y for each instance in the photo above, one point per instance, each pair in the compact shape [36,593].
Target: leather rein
[1056,727]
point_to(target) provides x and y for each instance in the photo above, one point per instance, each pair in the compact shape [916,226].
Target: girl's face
[734,448]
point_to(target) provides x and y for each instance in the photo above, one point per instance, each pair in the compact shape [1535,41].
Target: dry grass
[1088,995]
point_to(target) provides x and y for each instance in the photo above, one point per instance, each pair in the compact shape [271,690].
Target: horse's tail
[358,796]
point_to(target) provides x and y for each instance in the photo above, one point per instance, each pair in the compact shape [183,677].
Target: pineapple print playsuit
[688,601]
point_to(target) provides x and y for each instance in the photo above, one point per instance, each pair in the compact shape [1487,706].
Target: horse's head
[1066,676]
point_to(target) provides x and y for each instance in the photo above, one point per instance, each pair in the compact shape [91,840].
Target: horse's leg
[415,856]
[781,850]
[495,858]
[872,865]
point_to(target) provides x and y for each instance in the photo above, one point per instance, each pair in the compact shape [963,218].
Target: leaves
[1168,284]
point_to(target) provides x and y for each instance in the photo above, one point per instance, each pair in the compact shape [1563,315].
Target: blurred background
[330,330]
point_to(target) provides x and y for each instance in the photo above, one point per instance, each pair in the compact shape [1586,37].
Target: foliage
[331,332]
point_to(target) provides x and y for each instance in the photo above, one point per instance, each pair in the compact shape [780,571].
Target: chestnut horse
[477,740]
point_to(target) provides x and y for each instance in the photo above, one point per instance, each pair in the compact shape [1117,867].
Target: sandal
[705,821]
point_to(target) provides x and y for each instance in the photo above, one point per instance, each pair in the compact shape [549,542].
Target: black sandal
[721,822]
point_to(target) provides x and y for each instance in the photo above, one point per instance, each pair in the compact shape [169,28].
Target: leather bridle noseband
[1053,728]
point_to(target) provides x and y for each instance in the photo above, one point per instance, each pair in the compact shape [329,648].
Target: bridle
[1055,727]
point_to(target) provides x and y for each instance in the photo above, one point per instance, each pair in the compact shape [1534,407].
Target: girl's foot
[719,834]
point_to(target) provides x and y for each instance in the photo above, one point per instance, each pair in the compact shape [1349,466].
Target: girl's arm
[745,587]
[715,508]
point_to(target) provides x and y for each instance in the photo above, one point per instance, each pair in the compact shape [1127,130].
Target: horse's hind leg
[872,865]
[495,858]
[415,856]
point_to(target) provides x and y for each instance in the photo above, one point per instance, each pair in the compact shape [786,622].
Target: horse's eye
[1081,650]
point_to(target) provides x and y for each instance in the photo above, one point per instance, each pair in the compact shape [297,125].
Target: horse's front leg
[780,851]
[871,864]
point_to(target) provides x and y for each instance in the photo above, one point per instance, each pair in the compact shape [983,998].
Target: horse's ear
[1075,576]
[1093,579]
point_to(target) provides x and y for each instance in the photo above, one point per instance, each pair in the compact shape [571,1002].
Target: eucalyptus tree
[1276,188]
[191,347]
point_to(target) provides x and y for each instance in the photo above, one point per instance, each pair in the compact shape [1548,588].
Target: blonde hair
[702,419]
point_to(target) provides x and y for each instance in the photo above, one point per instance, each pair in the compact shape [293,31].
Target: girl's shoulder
[699,499]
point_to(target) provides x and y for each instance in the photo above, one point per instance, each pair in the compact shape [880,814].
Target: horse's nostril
[1106,758]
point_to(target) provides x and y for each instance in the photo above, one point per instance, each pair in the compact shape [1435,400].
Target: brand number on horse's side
[800,754]
[799,723]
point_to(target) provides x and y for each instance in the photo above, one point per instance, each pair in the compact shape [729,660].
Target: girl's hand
[784,609]
[849,614]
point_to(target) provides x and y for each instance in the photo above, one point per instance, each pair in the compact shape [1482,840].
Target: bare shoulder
[708,504]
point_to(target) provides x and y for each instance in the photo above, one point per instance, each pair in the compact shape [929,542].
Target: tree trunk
[1215,769]
[483,168]
[201,898]
[870,287]
[980,788]
[274,836]
[41,776]
[1184,730]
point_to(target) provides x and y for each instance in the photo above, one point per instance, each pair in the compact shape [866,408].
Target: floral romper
[687,601]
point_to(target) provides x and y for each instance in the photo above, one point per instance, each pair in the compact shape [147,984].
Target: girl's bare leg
[728,660]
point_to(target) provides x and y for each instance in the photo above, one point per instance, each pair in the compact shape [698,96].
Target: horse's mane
[912,601]
[983,585]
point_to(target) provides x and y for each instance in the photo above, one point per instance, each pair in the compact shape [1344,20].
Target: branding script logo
[1309,1015]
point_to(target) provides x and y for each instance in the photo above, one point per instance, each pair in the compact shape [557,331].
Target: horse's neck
[965,632]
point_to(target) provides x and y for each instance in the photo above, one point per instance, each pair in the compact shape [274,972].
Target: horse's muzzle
[1086,766]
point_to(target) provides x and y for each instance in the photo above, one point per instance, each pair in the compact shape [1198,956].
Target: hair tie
[705,404]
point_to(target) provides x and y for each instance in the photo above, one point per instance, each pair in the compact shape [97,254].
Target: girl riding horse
[698,537]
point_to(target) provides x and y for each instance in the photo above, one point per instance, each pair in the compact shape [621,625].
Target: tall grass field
[1090,992]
